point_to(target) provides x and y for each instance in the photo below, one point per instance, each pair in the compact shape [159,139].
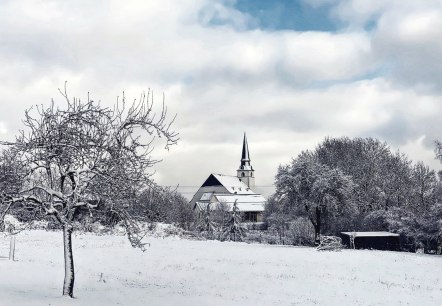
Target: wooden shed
[372,240]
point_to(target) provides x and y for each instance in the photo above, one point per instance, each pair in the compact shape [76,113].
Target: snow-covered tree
[182,213]
[426,185]
[11,180]
[234,229]
[164,204]
[85,157]
[278,217]
[206,223]
[382,182]
[221,214]
[382,178]
[315,187]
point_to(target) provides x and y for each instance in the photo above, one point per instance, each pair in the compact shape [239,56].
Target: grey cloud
[405,36]
[397,131]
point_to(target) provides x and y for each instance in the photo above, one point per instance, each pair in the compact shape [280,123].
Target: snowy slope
[184,272]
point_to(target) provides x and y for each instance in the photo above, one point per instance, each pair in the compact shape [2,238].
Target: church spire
[245,171]
[245,157]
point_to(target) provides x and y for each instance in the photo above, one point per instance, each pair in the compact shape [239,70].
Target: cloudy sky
[289,73]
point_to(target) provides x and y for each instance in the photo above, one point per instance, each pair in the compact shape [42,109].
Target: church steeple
[245,171]
[245,157]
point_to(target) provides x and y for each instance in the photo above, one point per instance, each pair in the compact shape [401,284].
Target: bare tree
[86,157]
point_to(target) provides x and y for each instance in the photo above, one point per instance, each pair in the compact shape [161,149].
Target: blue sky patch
[289,15]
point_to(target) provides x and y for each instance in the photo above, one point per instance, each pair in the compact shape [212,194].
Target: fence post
[12,242]
[12,248]
[352,240]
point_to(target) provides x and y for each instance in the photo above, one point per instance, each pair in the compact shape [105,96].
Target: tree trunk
[69,276]
[317,226]
[2,220]
[439,245]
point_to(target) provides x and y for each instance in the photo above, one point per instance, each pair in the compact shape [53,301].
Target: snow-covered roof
[206,196]
[370,234]
[233,184]
[244,202]
[240,198]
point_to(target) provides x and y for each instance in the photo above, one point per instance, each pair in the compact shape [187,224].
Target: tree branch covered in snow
[84,158]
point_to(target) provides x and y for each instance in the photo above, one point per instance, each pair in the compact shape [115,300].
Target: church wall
[199,193]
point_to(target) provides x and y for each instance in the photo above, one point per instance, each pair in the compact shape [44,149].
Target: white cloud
[287,89]
[406,37]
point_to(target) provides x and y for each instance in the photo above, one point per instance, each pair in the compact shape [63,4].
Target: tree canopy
[358,184]
[315,187]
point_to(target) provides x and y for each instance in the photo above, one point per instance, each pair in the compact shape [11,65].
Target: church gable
[211,181]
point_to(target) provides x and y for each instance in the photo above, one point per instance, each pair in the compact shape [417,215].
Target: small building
[221,191]
[372,240]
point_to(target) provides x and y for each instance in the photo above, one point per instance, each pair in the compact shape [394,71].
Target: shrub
[330,243]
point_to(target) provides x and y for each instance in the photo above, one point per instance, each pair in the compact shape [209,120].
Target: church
[225,189]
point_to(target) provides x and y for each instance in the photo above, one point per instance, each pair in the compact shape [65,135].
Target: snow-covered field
[174,271]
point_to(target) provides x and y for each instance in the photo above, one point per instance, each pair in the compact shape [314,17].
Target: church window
[250,216]
[242,174]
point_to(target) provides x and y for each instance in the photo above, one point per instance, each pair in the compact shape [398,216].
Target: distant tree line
[359,185]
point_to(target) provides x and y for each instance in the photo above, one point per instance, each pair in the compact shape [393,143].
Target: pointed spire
[245,157]
[245,149]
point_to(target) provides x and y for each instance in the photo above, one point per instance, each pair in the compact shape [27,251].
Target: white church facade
[225,189]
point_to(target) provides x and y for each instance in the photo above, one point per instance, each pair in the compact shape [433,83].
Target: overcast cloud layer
[223,72]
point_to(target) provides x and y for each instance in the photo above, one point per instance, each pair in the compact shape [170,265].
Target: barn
[371,240]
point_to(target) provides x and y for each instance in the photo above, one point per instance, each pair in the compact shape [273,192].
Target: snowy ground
[182,272]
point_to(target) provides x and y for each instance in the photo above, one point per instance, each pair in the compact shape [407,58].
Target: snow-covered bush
[161,204]
[330,243]
[417,231]
[264,237]
[254,236]
[301,232]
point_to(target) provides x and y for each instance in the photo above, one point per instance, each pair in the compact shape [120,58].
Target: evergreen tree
[234,229]
[206,223]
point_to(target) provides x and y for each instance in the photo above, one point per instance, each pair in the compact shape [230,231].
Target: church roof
[244,202]
[231,183]
[253,202]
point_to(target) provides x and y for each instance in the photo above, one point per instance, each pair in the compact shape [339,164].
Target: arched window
[242,174]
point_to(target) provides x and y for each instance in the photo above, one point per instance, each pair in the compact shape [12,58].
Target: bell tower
[245,172]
